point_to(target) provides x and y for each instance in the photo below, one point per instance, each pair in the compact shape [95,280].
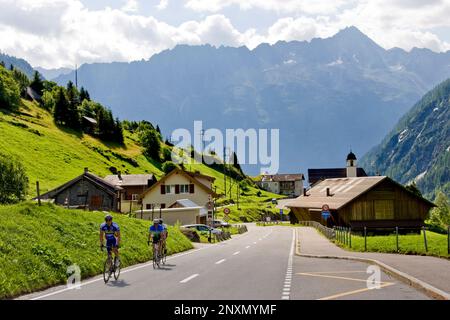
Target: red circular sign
[325,207]
[226,210]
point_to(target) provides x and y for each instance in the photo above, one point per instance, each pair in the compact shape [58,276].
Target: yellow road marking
[320,272]
[336,277]
[354,291]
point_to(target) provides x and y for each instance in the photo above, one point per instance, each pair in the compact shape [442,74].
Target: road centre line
[220,261]
[189,278]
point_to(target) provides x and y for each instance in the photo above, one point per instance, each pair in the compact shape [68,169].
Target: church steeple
[351,165]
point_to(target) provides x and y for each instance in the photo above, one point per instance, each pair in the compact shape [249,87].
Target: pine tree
[61,106]
[118,132]
[73,119]
[37,84]
[84,95]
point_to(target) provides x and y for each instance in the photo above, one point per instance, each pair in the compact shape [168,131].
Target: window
[135,197]
[170,189]
[148,206]
[384,209]
[184,188]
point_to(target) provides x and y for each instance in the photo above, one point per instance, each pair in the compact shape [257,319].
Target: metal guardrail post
[396,236]
[350,236]
[425,239]
[365,238]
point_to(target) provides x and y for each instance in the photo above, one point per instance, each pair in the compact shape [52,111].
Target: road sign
[325,207]
[210,205]
[226,211]
[281,211]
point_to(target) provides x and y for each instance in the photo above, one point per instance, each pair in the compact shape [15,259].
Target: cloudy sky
[62,33]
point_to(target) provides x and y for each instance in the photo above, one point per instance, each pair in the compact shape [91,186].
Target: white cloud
[131,6]
[285,6]
[162,4]
[55,33]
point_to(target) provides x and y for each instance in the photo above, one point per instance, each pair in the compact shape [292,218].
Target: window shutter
[163,189]
[191,188]
[177,189]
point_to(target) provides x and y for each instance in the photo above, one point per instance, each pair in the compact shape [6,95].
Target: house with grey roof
[133,186]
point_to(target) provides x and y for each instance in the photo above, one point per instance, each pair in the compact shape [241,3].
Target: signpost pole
[425,239]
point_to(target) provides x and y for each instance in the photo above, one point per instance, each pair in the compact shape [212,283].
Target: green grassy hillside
[53,155]
[37,244]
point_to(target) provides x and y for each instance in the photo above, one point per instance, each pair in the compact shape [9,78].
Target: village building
[351,170]
[86,191]
[374,202]
[88,124]
[290,185]
[178,196]
[133,186]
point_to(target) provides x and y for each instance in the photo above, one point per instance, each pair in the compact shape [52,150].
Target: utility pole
[238,191]
[224,170]
[202,136]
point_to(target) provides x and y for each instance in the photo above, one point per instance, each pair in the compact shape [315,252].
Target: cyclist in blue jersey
[154,232]
[111,232]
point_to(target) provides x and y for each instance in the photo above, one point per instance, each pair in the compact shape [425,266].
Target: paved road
[259,264]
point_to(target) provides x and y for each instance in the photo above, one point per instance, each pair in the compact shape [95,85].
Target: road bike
[110,267]
[158,254]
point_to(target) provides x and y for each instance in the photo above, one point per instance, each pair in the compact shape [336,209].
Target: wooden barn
[374,202]
[86,191]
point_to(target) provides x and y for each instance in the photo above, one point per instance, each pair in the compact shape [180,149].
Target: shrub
[168,166]
[9,91]
[13,180]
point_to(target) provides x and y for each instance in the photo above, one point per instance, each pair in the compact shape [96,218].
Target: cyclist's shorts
[111,243]
[156,238]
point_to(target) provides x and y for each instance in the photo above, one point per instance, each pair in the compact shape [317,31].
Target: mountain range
[418,148]
[326,96]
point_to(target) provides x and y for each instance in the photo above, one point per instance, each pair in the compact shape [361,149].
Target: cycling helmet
[108,217]
[161,221]
[156,221]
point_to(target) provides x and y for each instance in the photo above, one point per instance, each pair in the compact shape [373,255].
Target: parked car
[220,224]
[202,228]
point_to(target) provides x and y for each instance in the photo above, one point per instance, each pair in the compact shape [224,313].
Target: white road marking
[237,252]
[254,242]
[220,261]
[189,278]
[247,247]
[287,286]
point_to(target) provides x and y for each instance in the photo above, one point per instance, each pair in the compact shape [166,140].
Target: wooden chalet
[358,202]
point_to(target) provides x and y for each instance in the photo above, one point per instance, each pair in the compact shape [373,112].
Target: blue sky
[61,33]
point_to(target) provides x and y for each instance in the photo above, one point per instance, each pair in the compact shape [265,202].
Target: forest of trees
[68,105]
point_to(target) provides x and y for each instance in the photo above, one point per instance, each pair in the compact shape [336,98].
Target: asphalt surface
[258,265]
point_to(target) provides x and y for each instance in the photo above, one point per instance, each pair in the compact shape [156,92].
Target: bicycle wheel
[117,271]
[163,254]
[155,257]
[107,270]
